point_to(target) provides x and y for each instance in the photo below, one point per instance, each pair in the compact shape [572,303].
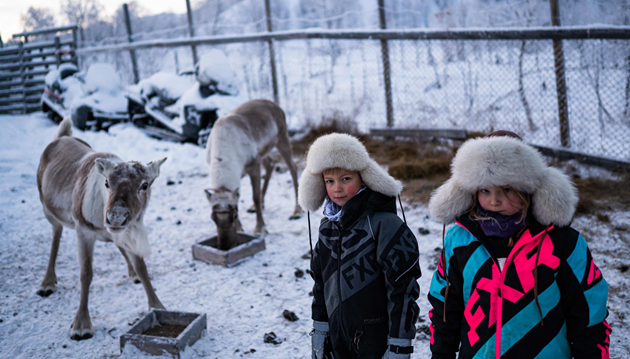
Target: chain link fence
[476,85]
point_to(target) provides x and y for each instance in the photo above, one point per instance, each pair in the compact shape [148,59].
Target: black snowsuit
[365,269]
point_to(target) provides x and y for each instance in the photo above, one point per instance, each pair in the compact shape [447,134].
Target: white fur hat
[500,161]
[338,150]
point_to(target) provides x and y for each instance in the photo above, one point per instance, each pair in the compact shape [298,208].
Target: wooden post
[192,32]
[272,55]
[561,83]
[386,69]
[57,51]
[134,64]
[22,75]
[74,46]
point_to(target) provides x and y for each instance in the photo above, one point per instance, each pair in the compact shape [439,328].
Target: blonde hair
[524,197]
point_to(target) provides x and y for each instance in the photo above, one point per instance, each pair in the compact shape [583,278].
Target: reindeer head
[224,207]
[129,188]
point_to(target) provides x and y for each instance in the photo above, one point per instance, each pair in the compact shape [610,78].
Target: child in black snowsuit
[365,263]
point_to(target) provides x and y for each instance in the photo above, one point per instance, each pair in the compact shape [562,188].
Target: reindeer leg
[284,147]
[49,282]
[254,176]
[141,270]
[132,273]
[82,325]
[268,163]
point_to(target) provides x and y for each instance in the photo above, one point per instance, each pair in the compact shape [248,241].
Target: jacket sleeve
[445,335]
[319,304]
[584,296]
[398,256]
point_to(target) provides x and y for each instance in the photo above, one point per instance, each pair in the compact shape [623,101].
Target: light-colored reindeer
[240,142]
[102,198]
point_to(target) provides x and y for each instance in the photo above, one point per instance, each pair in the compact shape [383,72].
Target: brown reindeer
[101,197]
[240,142]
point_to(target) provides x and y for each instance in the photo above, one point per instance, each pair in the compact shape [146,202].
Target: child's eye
[507,189]
[347,178]
[483,190]
[328,181]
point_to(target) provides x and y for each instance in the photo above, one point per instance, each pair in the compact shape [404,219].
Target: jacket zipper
[499,308]
[341,322]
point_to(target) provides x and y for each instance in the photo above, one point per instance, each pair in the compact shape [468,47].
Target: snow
[242,303]
[103,78]
[164,84]
[214,66]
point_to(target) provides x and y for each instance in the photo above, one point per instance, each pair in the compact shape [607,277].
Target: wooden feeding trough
[246,246]
[163,331]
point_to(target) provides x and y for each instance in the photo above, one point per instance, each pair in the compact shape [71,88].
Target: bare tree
[82,12]
[37,17]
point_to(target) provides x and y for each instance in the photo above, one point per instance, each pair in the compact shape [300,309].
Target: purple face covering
[498,225]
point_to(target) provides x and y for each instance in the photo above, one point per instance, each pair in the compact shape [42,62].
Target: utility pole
[561,82]
[191,31]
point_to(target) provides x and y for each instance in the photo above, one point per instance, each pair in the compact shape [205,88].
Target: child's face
[504,200]
[341,185]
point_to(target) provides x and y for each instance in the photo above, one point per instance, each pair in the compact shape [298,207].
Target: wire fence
[476,85]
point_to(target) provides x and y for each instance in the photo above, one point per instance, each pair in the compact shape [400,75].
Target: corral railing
[472,79]
[23,66]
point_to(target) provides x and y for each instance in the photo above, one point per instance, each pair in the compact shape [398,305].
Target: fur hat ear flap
[449,201]
[311,191]
[378,180]
[555,200]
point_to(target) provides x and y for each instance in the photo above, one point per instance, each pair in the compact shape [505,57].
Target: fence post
[134,64]
[191,31]
[561,83]
[21,59]
[74,46]
[57,51]
[386,69]
[272,55]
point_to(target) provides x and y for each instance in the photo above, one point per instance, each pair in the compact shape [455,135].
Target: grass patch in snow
[598,194]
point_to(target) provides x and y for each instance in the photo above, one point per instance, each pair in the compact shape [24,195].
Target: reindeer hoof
[81,334]
[78,337]
[297,216]
[251,210]
[45,292]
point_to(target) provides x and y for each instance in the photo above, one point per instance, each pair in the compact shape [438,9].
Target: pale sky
[11,11]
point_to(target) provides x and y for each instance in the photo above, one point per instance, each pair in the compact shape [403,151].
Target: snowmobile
[94,100]
[61,85]
[184,107]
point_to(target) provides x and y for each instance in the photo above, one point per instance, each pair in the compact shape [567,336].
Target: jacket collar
[534,227]
[363,204]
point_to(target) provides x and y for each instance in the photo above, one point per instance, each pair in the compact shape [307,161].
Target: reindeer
[239,144]
[102,198]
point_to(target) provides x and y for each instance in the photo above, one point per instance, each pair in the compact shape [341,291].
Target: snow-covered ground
[242,303]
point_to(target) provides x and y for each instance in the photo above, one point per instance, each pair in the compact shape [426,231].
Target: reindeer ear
[208,193]
[153,169]
[104,166]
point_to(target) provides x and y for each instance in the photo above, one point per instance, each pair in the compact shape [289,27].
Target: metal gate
[24,66]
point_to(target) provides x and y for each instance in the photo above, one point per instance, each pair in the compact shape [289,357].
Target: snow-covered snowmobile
[94,100]
[61,85]
[184,107]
